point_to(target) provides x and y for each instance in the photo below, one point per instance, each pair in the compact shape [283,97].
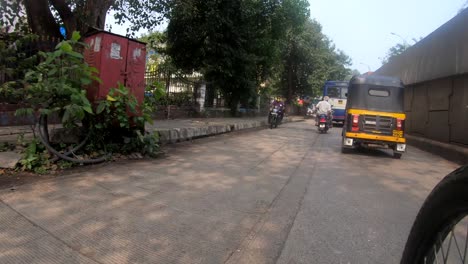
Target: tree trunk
[290,81]
[67,16]
[91,14]
[40,18]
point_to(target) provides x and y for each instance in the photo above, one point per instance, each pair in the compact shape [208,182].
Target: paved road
[271,196]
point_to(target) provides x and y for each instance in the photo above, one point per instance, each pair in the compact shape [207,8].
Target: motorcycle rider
[324,108]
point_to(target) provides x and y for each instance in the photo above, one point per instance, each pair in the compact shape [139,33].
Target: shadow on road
[378,153]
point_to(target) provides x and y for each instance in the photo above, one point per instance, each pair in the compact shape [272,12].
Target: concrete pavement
[170,131]
[195,206]
[452,152]
[285,195]
[359,207]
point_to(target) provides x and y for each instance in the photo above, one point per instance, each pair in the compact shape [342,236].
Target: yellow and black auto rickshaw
[374,114]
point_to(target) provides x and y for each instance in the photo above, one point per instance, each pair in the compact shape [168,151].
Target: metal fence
[213,97]
[180,89]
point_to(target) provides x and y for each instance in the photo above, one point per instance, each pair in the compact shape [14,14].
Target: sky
[363,28]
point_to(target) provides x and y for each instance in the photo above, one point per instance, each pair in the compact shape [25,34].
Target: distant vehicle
[310,113]
[337,91]
[276,114]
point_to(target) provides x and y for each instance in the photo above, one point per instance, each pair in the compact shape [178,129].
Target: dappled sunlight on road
[196,205]
[233,198]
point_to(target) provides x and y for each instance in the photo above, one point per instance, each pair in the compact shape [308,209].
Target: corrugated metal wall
[435,72]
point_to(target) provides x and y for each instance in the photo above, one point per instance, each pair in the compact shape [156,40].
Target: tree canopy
[242,47]
[232,42]
[394,51]
[46,16]
[239,45]
[308,61]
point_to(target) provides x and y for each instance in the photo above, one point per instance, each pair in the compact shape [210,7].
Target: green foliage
[154,95]
[13,18]
[112,129]
[5,146]
[178,99]
[394,51]
[140,14]
[35,158]
[63,164]
[16,58]
[246,48]
[160,61]
[146,144]
[56,84]
[309,59]
[114,109]
[45,17]
[234,43]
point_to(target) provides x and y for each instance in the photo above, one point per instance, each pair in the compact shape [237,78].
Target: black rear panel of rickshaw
[379,94]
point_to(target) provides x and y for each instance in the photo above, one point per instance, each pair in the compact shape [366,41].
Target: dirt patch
[9,179]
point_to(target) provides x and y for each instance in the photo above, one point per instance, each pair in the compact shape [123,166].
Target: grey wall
[435,72]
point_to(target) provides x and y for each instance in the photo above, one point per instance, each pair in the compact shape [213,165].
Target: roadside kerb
[174,135]
[172,131]
[450,152]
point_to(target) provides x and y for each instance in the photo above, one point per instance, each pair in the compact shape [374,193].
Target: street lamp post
[402,38]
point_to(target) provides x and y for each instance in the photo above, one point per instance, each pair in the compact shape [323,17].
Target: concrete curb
[450,152]
[174,135]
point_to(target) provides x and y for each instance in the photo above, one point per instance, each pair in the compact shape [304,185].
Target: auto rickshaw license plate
[398,133]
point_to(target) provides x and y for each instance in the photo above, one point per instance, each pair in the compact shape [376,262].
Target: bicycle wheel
[440,231]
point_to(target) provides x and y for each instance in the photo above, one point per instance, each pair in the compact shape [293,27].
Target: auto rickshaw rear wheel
[397,155]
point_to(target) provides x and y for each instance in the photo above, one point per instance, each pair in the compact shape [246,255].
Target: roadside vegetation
[245,49]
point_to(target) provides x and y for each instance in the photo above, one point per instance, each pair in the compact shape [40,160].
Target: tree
[156,45]
[232,42]
[310,60]
[243,45]
[294,17]
[351,74]
[46,16]
[13,16]
[394,51]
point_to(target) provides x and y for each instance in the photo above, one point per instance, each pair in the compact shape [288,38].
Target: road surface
[285,195]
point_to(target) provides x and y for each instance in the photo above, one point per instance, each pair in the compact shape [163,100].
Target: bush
[56,85]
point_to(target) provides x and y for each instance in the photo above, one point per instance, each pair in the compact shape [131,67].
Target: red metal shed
[118,59]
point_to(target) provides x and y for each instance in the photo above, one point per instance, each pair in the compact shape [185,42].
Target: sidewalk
[451,152]
[174,130]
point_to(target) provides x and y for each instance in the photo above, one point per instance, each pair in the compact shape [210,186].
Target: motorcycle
[310,112]
[274,117]
[323,124]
